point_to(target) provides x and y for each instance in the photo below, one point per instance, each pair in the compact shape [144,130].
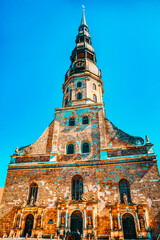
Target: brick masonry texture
[1,193]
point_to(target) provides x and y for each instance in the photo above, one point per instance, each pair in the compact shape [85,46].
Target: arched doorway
[28,225]
[76,222]
[128,226]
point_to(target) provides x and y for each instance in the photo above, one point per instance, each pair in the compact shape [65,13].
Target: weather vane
[83,7]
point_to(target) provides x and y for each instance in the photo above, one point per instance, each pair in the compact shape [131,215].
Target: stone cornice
[87,73]
[81,106]
[115,160]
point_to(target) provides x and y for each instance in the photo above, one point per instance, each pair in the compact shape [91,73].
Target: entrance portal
[128,226]
[76,222]
[28,225]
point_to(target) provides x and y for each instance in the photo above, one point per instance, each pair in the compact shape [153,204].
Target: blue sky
[36,41]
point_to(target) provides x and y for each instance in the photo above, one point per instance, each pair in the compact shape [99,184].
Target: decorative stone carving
[38,222]
[32,201]
[115,223]
[147,139]
[89,221]
[16,151]
[141,222]
[63,220]
[17,221]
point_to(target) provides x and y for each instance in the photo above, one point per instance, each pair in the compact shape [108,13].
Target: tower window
[94,86]
[81,39]
[66,101]
[94,97]
[85,147]
[67,90]
[79,84]
[80,55]
[85,120]
[89,56]
[87,40]
[71,121]
[124,191]
[70,149]
[77,187]
[79,96]
[33,193]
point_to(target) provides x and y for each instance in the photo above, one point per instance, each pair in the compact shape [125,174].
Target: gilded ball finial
[83,7]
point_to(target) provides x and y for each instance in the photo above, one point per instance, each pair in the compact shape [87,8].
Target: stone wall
[1,193]
[100,184]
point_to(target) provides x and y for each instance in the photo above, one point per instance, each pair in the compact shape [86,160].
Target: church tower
[84,177]
[83,84]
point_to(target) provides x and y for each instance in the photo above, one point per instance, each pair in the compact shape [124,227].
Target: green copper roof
[83,21]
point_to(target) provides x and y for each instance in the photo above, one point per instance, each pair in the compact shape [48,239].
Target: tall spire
[83,84]
[83,21]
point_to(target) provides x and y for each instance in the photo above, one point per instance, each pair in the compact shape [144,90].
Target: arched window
[79,96]
[77,187]
[95,97]
[94,86]
[72,121]
[70,148]
[85,147]
[85,120]
[79,84]
[67,90]
[66,101]
[33,193]
[124,191]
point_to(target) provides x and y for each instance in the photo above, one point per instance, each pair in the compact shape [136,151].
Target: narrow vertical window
[124,191]
[79,96]
[77,187]
[94,86]
[33,193]
[94,97]
[70,149]
[72,121]
[85,147]
[85,120]
[79,84]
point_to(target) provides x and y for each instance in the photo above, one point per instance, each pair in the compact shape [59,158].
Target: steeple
[83,66]
[83,21]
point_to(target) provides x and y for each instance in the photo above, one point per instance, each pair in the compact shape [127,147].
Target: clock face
[79,64]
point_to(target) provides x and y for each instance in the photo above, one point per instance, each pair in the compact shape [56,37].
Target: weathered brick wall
[128,151]
[1,193]
[100,182]
[21,159]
